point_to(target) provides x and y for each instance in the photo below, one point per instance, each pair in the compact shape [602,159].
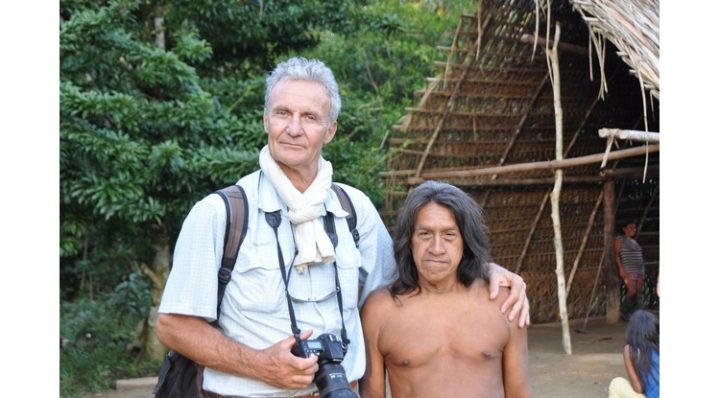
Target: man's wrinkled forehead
[283,83]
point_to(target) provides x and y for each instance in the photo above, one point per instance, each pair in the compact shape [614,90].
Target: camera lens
[332,382]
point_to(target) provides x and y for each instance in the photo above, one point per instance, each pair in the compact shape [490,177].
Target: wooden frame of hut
[487,123]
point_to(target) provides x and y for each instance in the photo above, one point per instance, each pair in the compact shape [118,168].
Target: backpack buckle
[224,275]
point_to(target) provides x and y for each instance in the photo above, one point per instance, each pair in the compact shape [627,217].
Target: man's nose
[294,126]
[437,246]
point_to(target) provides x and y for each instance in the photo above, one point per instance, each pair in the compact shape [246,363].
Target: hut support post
[591,222]
[612,309]
[555,196]
[528,240]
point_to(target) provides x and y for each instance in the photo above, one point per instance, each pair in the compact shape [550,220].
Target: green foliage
[261,30]
[147,129]
[94,338]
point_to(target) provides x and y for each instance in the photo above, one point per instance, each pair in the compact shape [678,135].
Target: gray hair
[299,68]
[470,221]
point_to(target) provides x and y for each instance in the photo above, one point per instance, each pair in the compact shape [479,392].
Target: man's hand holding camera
[282,369]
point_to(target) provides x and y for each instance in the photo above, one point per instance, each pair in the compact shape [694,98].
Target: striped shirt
[631,255]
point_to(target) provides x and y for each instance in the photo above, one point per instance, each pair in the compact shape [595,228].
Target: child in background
[642,359]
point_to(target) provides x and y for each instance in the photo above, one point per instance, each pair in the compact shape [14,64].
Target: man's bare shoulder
[376,309]
[483,289]
[379,298]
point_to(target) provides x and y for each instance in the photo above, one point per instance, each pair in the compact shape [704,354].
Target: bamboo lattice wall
[491,104]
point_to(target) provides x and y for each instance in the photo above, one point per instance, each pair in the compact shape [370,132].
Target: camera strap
[273,219]
[330,230]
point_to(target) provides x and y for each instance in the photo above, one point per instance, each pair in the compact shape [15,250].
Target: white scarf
[305,210]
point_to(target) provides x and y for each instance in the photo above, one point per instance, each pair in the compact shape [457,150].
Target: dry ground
[596,359]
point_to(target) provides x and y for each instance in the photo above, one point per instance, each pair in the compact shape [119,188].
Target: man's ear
[331,132]
[266,123]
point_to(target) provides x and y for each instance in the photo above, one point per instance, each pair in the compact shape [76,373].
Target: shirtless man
[434,328]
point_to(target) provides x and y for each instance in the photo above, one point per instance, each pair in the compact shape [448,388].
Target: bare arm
[631,372]
[372,384]
[517,299]
[516,379]
[197,340]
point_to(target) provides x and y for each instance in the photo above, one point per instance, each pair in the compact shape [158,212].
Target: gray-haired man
[251,354]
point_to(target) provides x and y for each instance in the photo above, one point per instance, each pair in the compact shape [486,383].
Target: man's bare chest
[416,335]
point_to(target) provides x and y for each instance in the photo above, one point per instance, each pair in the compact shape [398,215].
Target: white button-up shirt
[254,309]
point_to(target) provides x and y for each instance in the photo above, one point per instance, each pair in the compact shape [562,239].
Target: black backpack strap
[347,205]
[236,224]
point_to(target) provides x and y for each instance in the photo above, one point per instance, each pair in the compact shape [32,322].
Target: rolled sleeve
[191,288]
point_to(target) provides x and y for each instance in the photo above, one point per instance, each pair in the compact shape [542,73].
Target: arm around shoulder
[516,373]
[517,300]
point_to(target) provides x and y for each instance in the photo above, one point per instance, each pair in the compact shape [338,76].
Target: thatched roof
[633,26]
[490,109]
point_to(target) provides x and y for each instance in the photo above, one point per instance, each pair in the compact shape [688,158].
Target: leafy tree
[161,103]
[143,135]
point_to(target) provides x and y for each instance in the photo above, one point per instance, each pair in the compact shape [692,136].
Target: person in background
[631,267]
[642,359]
[435,329]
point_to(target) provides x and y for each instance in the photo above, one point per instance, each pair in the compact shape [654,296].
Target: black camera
[330,379]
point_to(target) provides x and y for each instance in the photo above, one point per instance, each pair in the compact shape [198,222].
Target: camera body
[330,378]
[327,347]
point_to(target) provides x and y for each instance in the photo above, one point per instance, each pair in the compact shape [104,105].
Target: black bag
[181,377]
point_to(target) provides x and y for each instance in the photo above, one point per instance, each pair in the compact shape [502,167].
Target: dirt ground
[596,358]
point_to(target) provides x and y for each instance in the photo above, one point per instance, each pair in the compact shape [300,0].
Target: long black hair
[470,221]
[643,337]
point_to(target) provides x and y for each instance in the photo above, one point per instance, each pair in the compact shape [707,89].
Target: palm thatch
[634,28]
[485,122]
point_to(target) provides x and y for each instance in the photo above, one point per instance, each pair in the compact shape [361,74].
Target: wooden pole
[591,222]
[527,38]
[612,309]
[555,196]
[631,172]
[631,135]
[528,240]
[592,294]
[532,166]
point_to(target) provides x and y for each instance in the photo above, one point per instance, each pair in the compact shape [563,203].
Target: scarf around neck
[305,210]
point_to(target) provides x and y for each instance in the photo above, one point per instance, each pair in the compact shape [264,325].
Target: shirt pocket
[259,280]
[347,258]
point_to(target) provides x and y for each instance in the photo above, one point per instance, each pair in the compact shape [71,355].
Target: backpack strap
[347,205]
[351,219]
[236,224]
